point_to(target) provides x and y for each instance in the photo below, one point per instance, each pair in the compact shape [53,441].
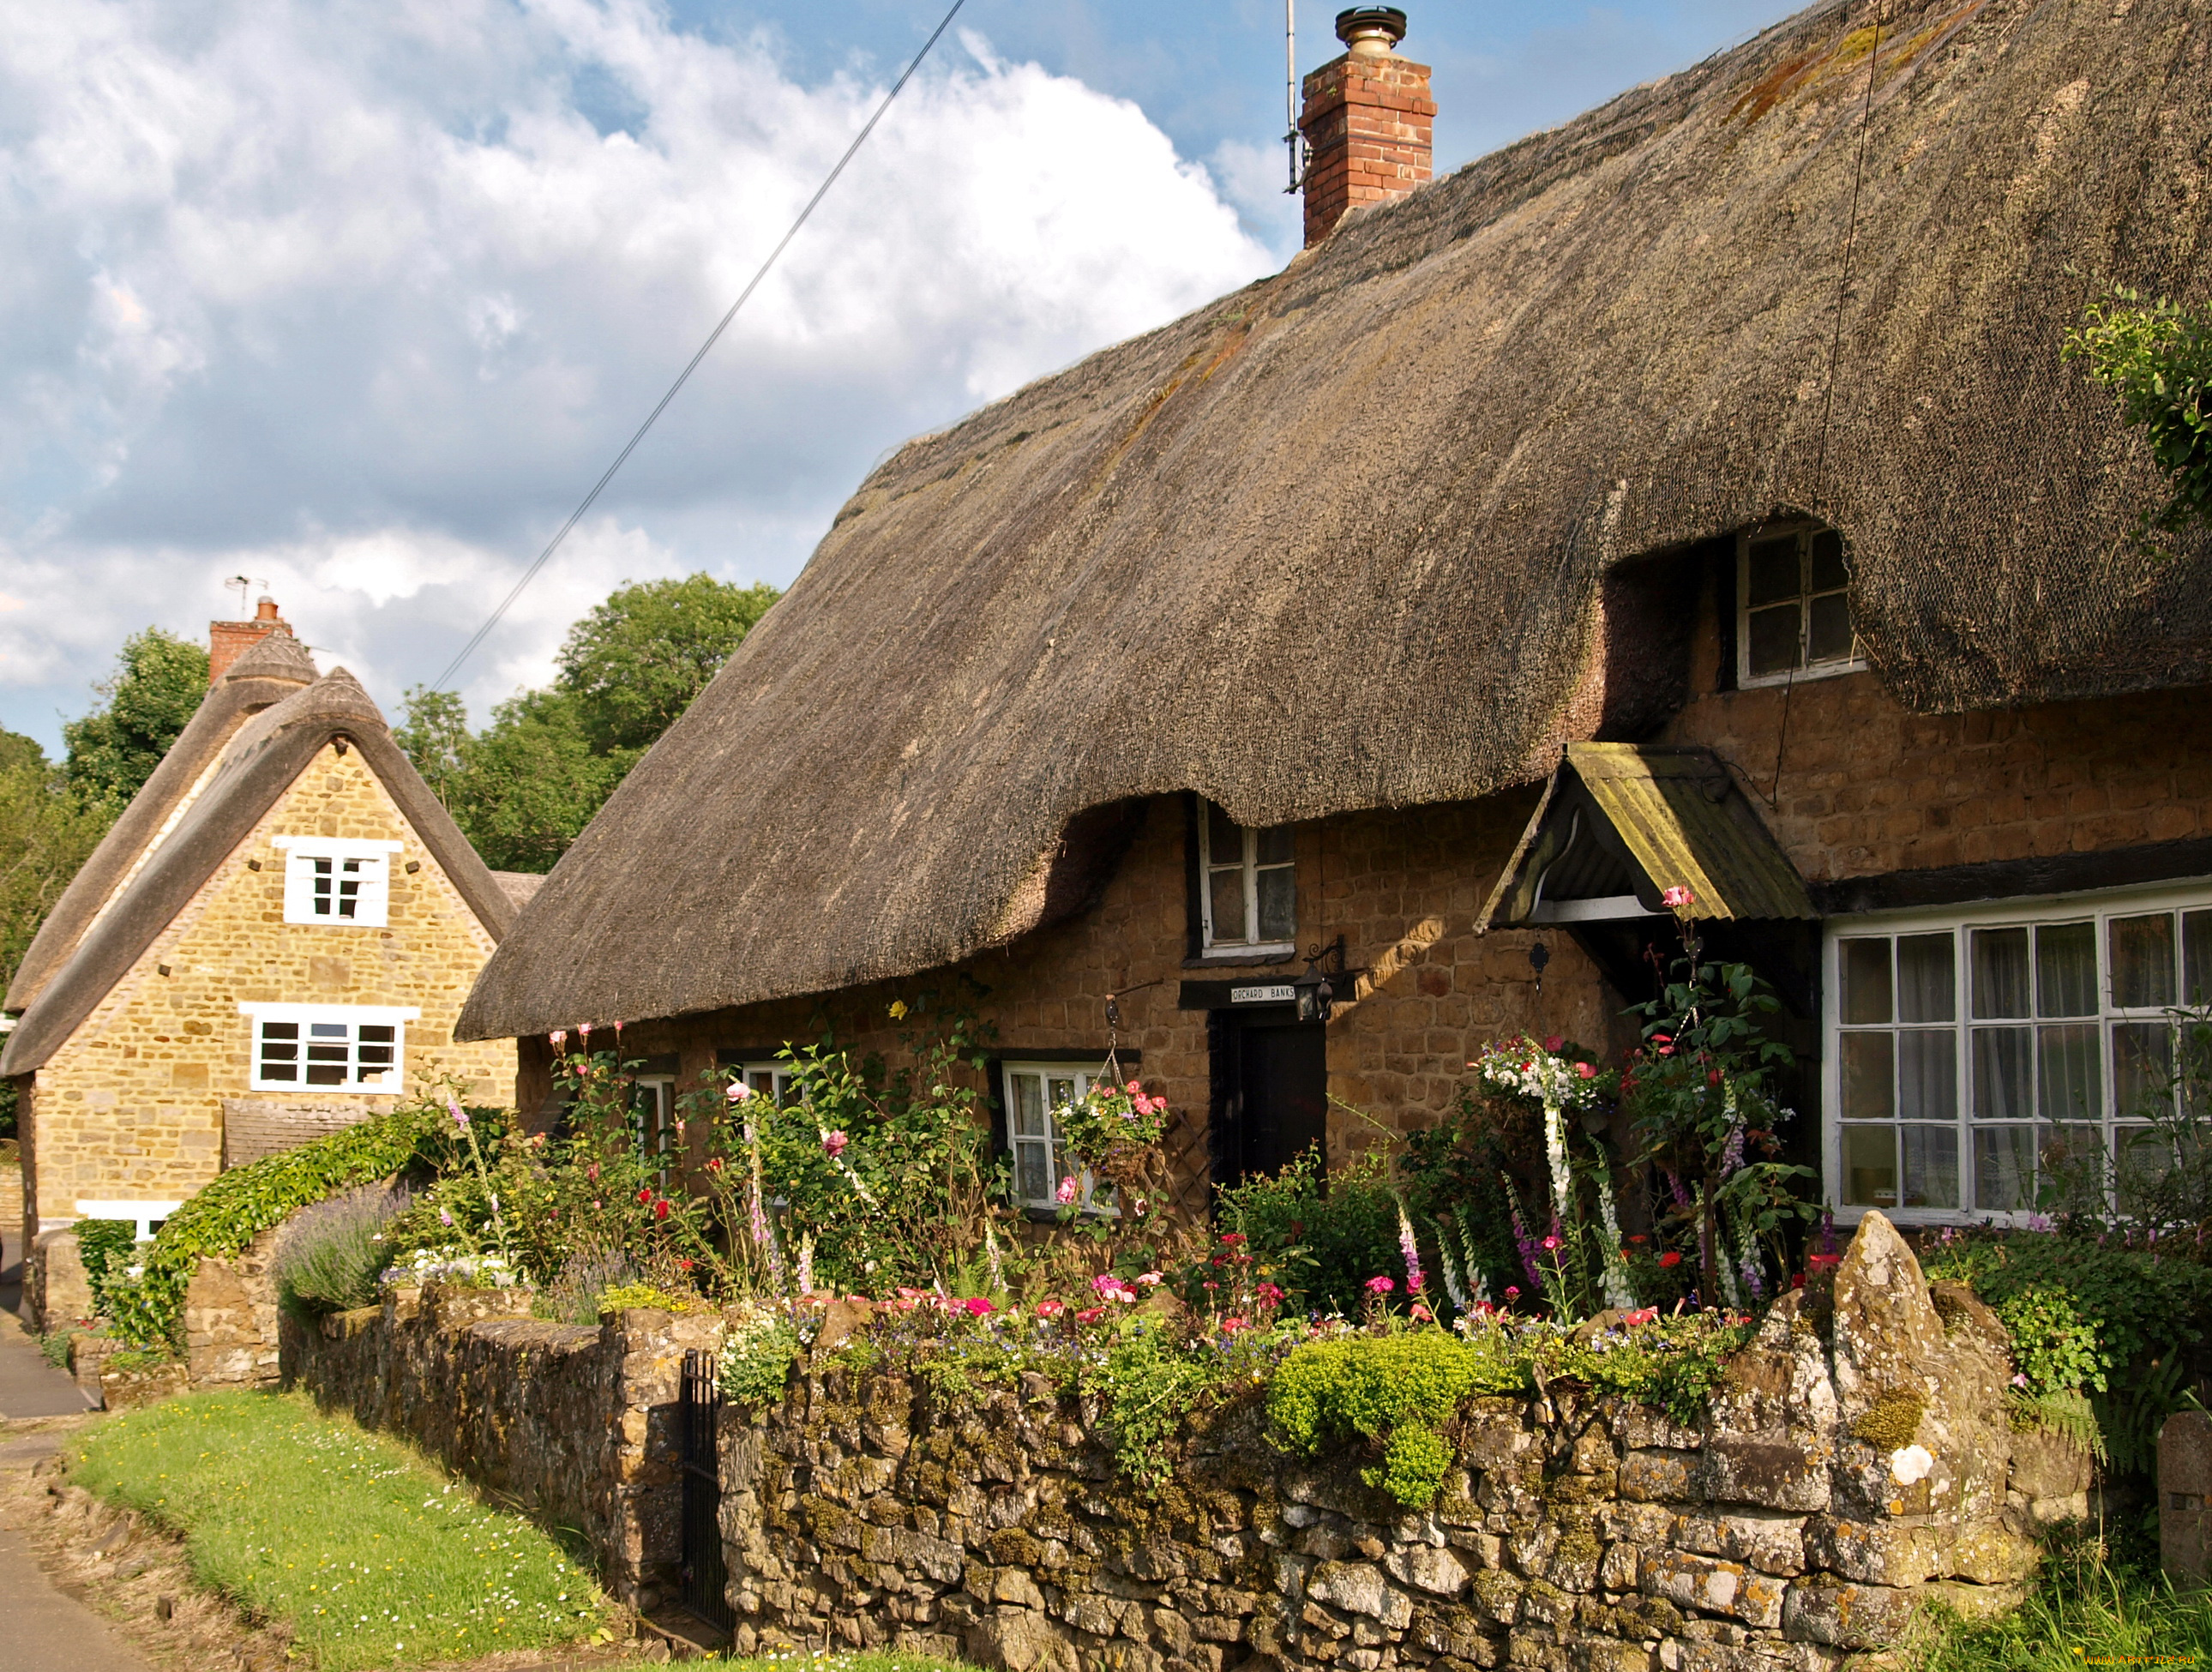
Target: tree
[523,789]
[2155,361]
[158,682]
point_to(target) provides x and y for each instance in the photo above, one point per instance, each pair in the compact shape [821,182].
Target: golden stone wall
[130,1108]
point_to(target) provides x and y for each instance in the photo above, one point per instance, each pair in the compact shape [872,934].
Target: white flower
[1910,1465]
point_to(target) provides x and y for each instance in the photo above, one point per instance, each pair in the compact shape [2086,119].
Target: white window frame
[656,1127]
[371,905]
[2098,908]
[780,1078]
[1091,1198]
[384,1081]
[1803,529]
[1209,945]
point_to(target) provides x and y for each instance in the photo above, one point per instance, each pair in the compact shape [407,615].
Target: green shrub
[333,1251]
[1149,1388]
[107,1247]
[573,1297]
[621,1297]
[1394,1389]
[756,1354]
[238,1205]
[2053,1345]
[1318,1235]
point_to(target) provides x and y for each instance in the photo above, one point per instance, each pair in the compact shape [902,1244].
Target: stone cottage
[274,941]
[1332,681]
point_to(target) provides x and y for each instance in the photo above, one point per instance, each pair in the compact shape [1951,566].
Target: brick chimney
[229,640]
[1368,121]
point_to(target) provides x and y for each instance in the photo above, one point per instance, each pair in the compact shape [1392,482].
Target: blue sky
[357,297]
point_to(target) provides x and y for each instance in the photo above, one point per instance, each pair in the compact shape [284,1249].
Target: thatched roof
[269,671]
[1337,541]
[265,757]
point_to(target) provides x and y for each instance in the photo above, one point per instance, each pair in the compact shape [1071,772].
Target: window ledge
[1286,953]
[1824,670]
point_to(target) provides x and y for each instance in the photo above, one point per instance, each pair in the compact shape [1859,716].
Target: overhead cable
[684,376]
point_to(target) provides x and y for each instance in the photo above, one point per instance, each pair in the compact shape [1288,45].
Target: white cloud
[359,298]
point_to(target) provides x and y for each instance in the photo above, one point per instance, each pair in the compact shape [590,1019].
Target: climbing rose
[645,1194]
[739,1090]
[660,1210]
[1670,1258]
[1067,1190]
[1678,898]
[557,1038]
[834,1144]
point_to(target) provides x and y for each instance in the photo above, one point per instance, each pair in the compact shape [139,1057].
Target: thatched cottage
[274,941]
[1691,495]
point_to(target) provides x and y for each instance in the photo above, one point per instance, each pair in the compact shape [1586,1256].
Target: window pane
[382,1035]
[2000,972]
[326,1030]
[1774,570]
[1228,888]
[1926,988]
[1828,629]
[280,1030]
[2004,1168]
[2142,960]
[2071,1162]
[1225,840]
[2069,1074]
[1029,1106]
[1928,1076]
[1774,639]
[2196,958]
[1931,1166]
[1276,846]
[1870,1166]
[2142,1157]
[762,1081]
[2001,1073]
[1869,1075]
[2066,969]
[1828,571]
[1058,1091]
[1865,966]
[1033,1178]
[323,1073]
[1279,904]
[2143,1066]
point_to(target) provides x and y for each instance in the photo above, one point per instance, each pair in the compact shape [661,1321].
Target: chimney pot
[229,640]
[266,609]
[1372,32]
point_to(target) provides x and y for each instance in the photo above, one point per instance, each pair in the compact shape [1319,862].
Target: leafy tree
[158,682]
[2155,361]
[523,789]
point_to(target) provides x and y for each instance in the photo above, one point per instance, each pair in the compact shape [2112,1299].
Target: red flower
[1090,1315]
[1670,1258]
[660,1210]
[977,1305]
[645,1194]
[1553,1043]
[1232,1238]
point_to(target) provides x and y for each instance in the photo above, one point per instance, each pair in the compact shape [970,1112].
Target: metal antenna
[1290,90]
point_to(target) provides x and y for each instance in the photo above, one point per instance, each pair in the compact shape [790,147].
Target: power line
[712,338]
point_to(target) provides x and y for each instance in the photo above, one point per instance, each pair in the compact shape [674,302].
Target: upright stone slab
[2185,1482]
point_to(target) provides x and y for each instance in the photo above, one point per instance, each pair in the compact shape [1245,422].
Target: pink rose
[833,1144]
[1678,898]
[739,1090]
[1587,1070]
[1069,1189]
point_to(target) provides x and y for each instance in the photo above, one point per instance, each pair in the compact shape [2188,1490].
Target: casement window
[1041,1157]
[1248,886]
[342,883]
[774,1080]
[329,1048]
[1977,1056]
[1793,612]
[653,1116]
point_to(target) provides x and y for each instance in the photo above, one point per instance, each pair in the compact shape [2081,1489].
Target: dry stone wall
[575,1425]
[1855,1464]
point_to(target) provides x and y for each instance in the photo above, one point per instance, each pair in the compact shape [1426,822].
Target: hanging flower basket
[1114,1129]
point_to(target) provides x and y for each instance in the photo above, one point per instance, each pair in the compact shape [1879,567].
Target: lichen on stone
[1890,1423]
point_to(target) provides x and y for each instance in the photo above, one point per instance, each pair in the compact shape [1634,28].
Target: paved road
[29,1386]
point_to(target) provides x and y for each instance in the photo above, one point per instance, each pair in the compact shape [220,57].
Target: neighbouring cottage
[273,941]
[1332,681]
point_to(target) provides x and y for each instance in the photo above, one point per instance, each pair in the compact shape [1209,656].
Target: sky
[356,300]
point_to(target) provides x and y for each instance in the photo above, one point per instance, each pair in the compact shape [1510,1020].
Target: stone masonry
[130,1108]
[1851,1468]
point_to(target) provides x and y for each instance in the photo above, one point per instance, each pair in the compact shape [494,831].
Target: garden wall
[1853,1465]
[574,1426]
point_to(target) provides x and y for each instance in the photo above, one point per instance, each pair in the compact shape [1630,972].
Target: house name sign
[1282,995]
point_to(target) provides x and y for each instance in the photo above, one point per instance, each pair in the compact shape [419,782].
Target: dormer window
[1793,612]
[1247,887]
[338,883]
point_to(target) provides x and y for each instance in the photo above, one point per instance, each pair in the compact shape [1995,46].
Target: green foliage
[621,1297]
[757,1349]
[572,1295]
[1394,1390]
[54,1346]
[1890,1423]
[2155,361]
[47,830]
[236,1207]
[2068,1415]
[2089,1607]
[523,789]
[107,1247]
[332,1252]
[1149,1387]
[158,682]
[1318,1235]
[373,1557]
[2053,1345]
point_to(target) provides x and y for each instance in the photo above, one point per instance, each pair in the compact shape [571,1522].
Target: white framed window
[1977,1052]
[339,882]
[652,1112]
[1248,886]
[329,1048]
[775,1081]
[1793,616]
[1041,1157]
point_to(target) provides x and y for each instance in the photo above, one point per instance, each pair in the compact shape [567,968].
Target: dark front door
[1271,1093]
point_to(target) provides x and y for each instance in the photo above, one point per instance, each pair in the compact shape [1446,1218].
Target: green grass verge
[374,1557]
[816,1660]
[2086,1608]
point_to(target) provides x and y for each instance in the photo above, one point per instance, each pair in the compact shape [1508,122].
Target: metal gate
[705,1579]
